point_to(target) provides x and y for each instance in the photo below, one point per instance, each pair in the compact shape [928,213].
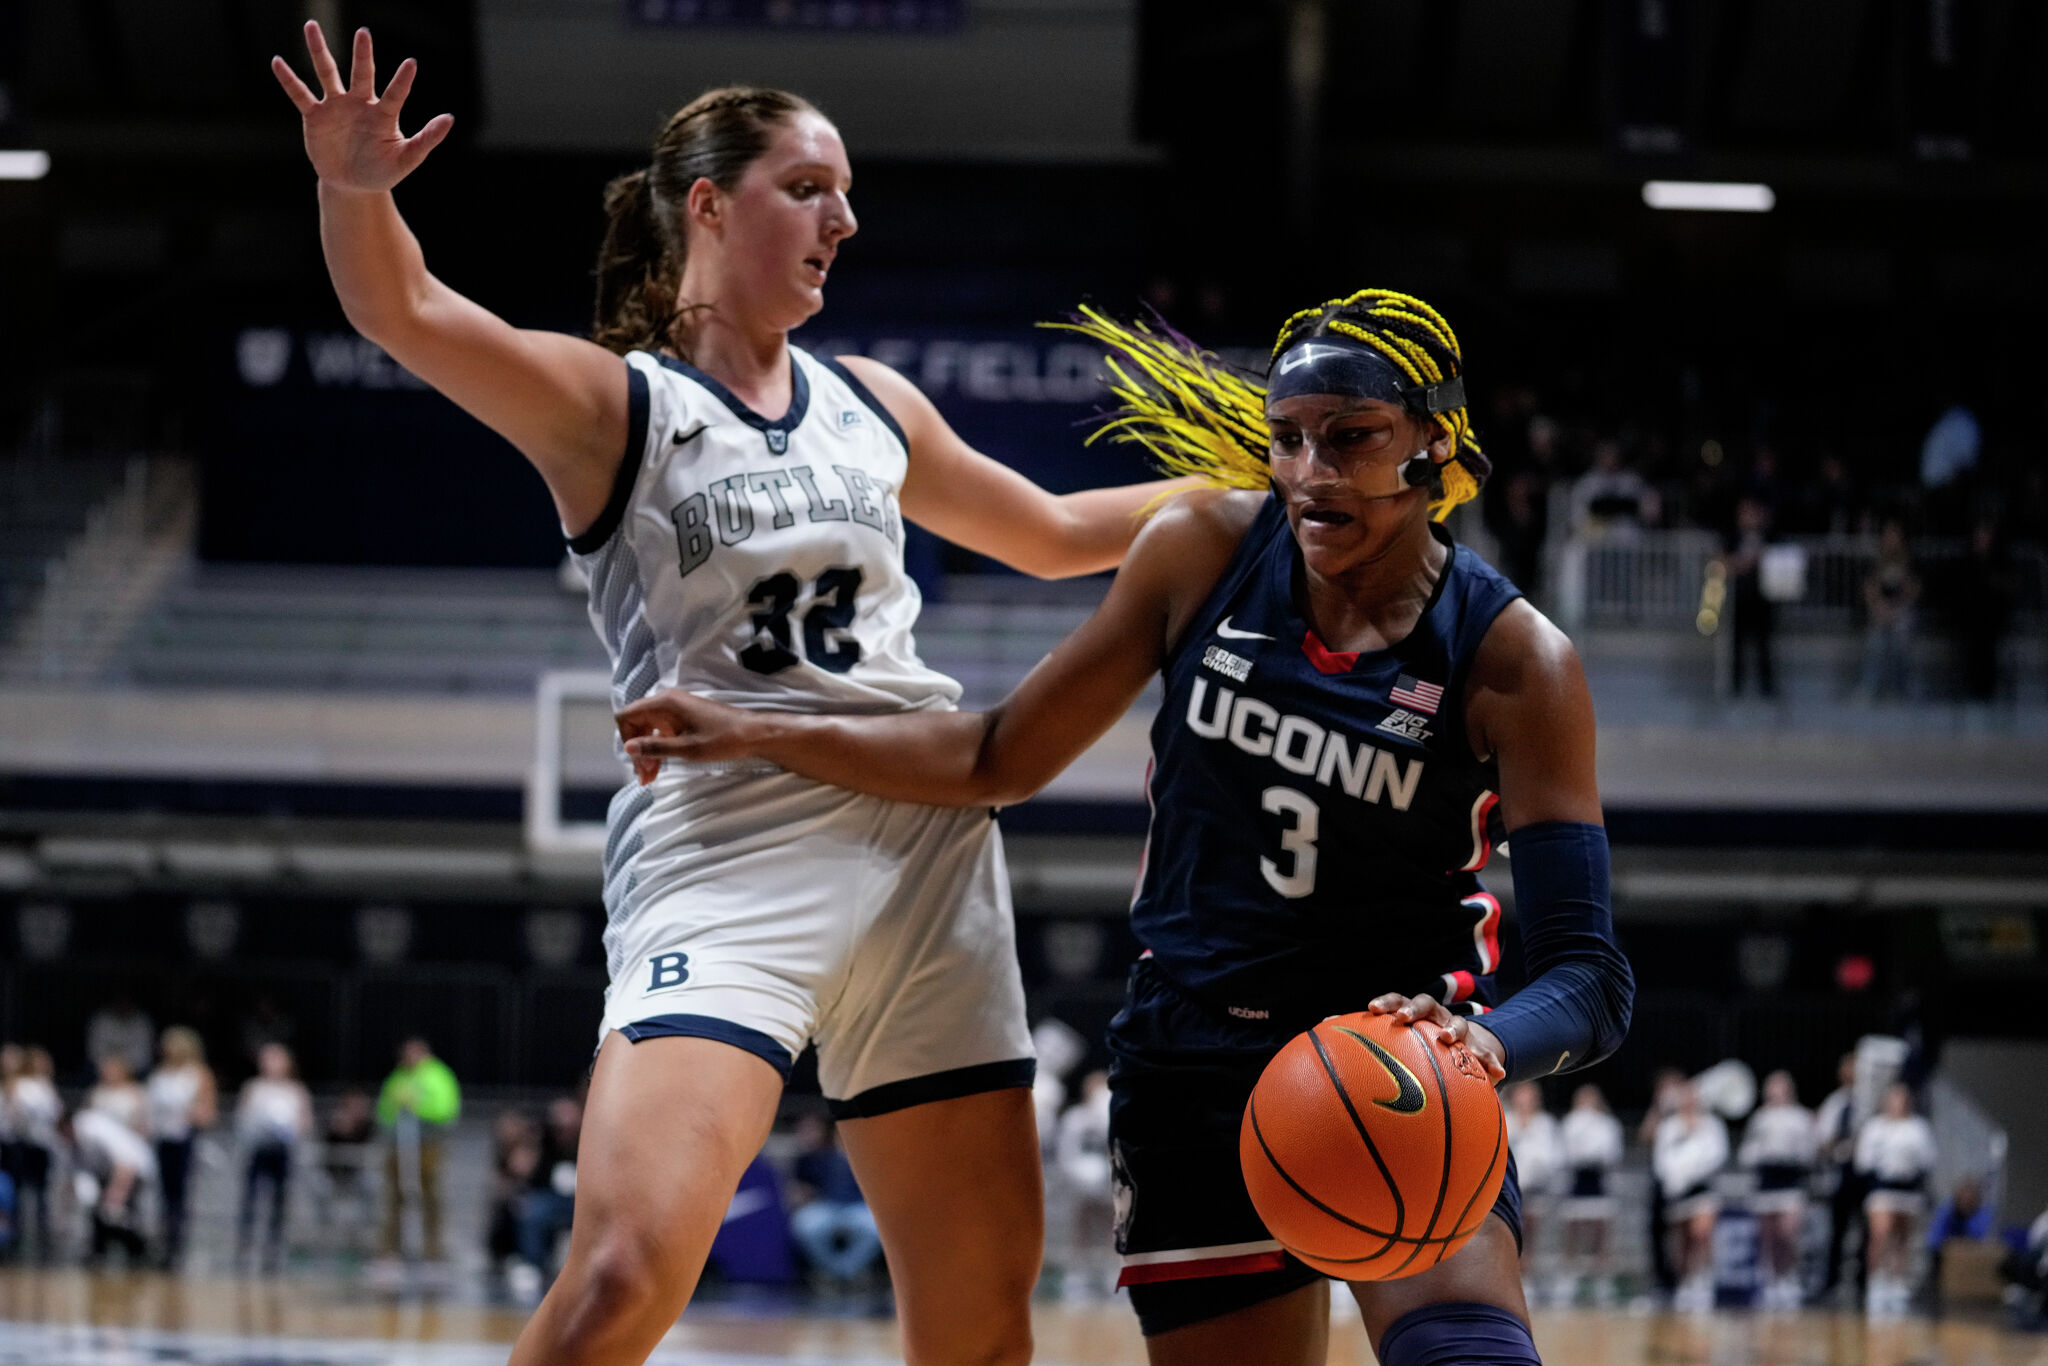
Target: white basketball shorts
[765,910]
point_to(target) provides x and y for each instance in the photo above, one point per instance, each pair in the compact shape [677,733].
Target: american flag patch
[1416,695]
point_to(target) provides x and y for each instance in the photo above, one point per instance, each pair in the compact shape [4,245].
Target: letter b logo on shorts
[669,970]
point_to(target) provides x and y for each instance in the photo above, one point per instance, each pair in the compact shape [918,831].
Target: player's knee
[1458,1334]
[999,1340]
[616,1281]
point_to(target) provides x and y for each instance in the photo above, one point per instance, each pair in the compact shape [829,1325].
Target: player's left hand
[679,725]
[1455,1030]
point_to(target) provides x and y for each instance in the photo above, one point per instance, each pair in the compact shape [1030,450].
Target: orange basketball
[1371,1150]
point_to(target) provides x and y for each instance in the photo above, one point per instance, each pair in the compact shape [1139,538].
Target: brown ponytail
[714,137]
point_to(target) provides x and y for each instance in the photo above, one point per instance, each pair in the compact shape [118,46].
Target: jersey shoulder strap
[1245,562]
[593,537]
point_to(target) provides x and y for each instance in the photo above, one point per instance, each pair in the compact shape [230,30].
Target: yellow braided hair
[1196,415]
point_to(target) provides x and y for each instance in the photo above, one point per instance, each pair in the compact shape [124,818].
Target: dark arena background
[300,745]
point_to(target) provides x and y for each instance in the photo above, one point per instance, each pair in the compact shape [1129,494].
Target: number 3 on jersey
[1297,841]
[827,643]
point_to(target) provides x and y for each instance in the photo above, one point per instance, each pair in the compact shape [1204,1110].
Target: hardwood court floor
[70,1318]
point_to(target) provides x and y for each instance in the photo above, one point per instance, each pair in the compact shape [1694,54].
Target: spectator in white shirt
[1589,1140]
[1896,1154]
[121,1166]
[182,1101]
[118,1095]
[272,1116]
[1539,1161]
[1691,1148]
[1779,1146]
[1611,501]
[1081,1150]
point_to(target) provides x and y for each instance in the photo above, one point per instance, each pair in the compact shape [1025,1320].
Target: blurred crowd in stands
[1769,1205]
[1556,482]
[1727,1193]
[123,1158]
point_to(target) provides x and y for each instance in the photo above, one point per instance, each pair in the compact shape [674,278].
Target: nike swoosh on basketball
[1229,632]
[1408,1098]
[682,437]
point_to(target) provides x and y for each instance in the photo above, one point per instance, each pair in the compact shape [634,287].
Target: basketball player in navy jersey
[738,505]
[1356,711]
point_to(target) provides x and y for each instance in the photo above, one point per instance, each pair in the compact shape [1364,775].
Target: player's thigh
[1292,1330]
[956,1189]
[1487,1270]
[669,1126]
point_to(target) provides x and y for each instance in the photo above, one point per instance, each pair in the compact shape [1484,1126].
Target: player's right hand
[352,135]
[674,724]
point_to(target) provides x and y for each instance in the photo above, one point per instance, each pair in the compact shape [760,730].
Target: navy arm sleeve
[1575,1009]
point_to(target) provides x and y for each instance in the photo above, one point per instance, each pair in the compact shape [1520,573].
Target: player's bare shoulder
[1527,672]
[1187,546]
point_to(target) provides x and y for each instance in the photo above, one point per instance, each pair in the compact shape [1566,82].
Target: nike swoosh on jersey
[683,438]
[1408,1098]
[1229,632]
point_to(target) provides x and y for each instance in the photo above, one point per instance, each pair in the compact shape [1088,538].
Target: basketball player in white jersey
[739,507]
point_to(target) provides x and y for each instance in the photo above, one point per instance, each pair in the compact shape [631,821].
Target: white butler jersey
[759,561]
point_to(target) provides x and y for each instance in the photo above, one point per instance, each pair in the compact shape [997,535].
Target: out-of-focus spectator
[121,1029]
[1891,591]
[1088,1178]
[1962,1216]
[2025,1270]
[1589,1140]
[265,1024]
[30,1110]
[1518,515]
[1835,1125]
[1830,504]
[1985,592]
[345,1146]
[119,1095]
[1664,1088]
[183,1099]
[833,1224]
[515,1153]
[1754,615]
[119,1168]
[1780,1145]
[547,1205]
[1895,1150]
[1060,1049]
[1539,1157]
[1690,1148]
[1611,500]
[419,1101]
[273,1116]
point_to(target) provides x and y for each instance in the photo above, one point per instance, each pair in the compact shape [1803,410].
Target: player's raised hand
[1456,1030]
[352,135]
[678,725]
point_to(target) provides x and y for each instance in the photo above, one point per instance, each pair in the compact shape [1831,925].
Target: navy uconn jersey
[1329,819]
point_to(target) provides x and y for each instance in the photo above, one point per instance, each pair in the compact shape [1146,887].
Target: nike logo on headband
[1301,356]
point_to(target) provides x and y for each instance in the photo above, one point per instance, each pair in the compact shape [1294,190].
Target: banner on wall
[328,451]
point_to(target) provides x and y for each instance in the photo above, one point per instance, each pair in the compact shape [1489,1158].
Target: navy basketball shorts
[1193,1247]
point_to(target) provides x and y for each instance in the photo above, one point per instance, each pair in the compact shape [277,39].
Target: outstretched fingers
[401,86]
[323,61]
[362,65]
[426,140]
[303,100]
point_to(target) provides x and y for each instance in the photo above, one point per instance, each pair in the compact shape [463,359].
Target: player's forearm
[1581,992]
[379,272]
[1096,526]
[937,758]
